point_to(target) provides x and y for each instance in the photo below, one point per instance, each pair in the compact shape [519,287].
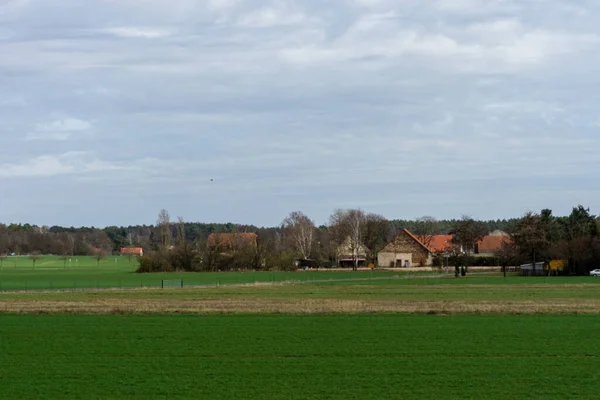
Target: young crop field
[298,357]
[302,335]
[19,273]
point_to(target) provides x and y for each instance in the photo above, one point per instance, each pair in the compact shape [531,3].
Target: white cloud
[503,45]
[12,8]
[53,165]
[60,129]
[137,32]
[271,16]
[221,5]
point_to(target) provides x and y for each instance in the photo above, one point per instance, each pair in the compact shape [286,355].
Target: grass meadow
[296,335]
[19,273]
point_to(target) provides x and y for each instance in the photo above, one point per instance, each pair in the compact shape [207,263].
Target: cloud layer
[113,109]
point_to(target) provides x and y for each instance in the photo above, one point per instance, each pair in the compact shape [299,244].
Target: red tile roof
[132,250]
[441,243]
[491,244]
[417,240]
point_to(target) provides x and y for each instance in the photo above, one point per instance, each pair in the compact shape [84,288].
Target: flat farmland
[299,357]
[419,337]
[49,273]
[418,295]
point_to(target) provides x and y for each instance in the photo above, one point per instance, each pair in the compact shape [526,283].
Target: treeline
[179,245]
[543,237]
[26,238]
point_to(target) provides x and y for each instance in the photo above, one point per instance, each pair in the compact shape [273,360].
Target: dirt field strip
[293,306]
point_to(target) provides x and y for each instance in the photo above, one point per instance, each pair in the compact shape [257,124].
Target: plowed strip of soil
[294,306]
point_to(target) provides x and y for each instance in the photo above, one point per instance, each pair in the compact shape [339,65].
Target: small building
[347,256]
[136,251]
[527,269]
[404,251]
[491,244]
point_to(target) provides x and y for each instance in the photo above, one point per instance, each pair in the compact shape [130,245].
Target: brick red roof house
[491,244]
[441,243]
[138,251]
[404,250]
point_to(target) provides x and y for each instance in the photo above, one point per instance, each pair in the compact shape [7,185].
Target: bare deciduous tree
[36,255]
[99,255]
[64,259]
[425,229]
[300,231]
[180,231]
[349,225]
[467,233]
[530,238]
[377,232]
[164,227]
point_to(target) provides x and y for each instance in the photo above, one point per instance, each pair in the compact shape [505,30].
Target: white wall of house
[393,259]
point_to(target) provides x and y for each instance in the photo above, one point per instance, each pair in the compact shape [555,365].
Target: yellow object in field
[557,265]
[371,266]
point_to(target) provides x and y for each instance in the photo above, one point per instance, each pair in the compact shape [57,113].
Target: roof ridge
[417,240]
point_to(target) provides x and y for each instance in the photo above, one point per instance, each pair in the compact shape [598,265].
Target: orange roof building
[441,243]
[138,251]
[404,250]
[491,244]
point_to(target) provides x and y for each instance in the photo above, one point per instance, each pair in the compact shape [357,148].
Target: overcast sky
[113,109]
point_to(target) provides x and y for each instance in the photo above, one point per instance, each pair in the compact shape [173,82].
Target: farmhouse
[346,255]
[404,251]
[491,244]
[137,251]
[486,247]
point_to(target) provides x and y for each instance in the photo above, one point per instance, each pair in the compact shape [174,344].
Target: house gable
[405,243]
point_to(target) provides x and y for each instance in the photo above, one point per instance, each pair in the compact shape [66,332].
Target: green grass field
[18,273]
[299,357]
[295,335]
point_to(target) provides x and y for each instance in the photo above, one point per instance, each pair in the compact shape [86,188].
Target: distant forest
[27,238]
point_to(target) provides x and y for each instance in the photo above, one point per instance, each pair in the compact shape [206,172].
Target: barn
[404,251]
[136,251]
